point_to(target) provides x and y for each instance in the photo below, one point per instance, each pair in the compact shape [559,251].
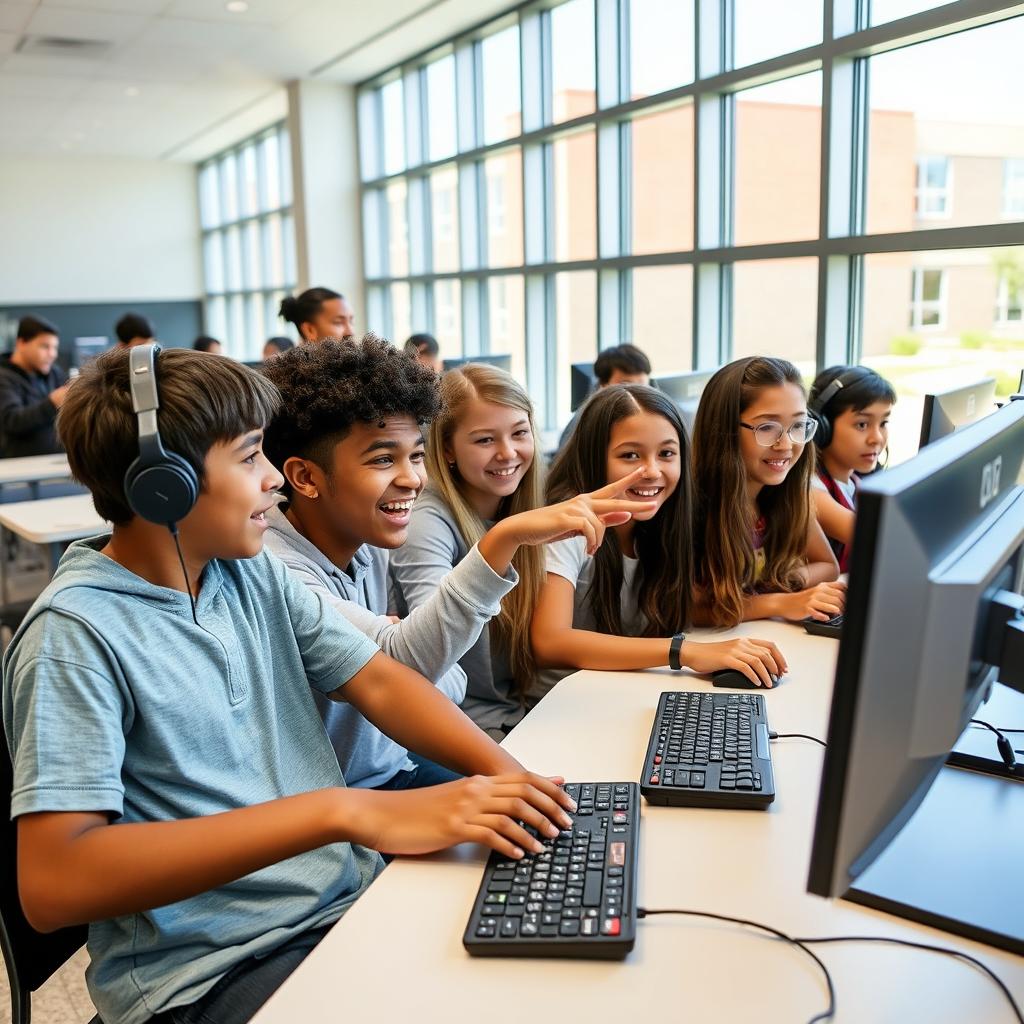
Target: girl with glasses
[623,603]
[760,552]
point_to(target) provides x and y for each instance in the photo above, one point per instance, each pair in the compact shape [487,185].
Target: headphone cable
[173,527]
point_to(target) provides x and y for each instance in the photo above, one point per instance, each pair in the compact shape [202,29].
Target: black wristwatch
[673,652]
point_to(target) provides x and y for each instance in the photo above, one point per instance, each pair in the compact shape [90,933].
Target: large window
[245,199]
[705,180]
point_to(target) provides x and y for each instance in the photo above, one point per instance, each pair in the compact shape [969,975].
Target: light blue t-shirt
[114,700]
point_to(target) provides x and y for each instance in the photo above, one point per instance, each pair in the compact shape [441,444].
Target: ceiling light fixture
[237,6]
[132,91]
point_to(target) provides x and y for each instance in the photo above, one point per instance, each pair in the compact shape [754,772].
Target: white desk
[52,521]
[397,955]
[33,469]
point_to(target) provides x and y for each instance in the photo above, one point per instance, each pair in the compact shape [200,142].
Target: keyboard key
[611,926]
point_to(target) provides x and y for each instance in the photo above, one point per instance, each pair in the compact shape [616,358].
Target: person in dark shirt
[32,389]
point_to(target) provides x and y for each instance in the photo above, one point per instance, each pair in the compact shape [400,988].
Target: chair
[30,956]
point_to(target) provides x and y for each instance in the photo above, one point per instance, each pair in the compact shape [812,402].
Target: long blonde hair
[489,384]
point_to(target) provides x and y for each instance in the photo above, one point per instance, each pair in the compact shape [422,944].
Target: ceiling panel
[196,72]
[14,17]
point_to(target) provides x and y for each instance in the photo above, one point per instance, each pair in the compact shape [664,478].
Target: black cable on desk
[929,948]
[643,912]
[795,736]
[805,944]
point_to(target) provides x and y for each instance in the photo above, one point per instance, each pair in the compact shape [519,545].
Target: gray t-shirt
[419,566]
[569,559]
[431,639]
[115,700]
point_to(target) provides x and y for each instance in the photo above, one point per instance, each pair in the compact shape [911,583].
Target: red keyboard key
[611,926]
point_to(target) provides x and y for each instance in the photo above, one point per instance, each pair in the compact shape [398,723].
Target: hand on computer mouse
[757,660]
[733,679]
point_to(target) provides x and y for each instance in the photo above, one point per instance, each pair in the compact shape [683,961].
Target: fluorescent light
[237,6]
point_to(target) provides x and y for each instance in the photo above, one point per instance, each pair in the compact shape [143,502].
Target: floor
[64,999]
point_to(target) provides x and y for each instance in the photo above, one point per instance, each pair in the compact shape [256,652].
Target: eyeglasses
[769,434]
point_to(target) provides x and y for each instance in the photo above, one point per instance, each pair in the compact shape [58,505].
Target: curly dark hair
[328,387]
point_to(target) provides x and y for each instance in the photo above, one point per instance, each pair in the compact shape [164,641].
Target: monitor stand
[956,865]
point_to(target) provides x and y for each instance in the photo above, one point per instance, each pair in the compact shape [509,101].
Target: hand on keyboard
[479,809]
[820,602]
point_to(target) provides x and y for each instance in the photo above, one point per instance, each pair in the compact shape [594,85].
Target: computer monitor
[503,362]
[932,619]
[685,390]
[581,383]
[685,387]
[89,348]
[946,411]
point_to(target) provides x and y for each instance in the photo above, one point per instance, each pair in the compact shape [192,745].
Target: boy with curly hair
[348,438]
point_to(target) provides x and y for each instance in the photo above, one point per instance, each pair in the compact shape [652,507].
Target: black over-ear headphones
[816,408]
[160,485]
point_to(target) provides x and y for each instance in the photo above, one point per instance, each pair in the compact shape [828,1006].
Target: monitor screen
[502,362]
[89,348]
[936,539]
[581,382]
[684,387]
[946,411]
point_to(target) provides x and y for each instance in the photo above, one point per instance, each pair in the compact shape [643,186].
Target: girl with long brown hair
[485,490]
[759,549]
[624,606]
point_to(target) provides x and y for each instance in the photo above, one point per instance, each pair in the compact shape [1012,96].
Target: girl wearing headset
[852,405]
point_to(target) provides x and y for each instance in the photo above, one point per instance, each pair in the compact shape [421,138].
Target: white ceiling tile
[17,87]
[111,6]
[14,17]
[260,12]
[8,41]
[58,21]
[190,34]
[58,67]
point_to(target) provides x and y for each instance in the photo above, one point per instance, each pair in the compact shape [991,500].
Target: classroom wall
[83,231]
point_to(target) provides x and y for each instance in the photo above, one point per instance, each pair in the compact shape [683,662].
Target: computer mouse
[734,679]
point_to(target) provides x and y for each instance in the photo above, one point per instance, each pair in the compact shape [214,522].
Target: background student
[485,490]
[852,405]
[319,314]
[204,343]
[191,726]
[133,329]
[759,549]
[32,389]
[624,603]
[275,346]
[425,350]
[621,364]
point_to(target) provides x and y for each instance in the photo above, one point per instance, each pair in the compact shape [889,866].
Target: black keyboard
[830,627]
[709,750]
[578,897]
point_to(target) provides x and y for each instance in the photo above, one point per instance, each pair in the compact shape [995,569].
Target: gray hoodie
[431,640]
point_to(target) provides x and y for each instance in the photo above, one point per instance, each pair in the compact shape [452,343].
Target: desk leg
[56,550]
[33,489]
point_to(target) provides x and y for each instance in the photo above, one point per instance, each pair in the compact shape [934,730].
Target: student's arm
[74,867]
[399,703]
[557,644]
[822,566]
[836,521]
[18,419]
[433,638]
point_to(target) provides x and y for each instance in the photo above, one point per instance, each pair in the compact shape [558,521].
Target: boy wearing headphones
[173,784]
[852,405]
